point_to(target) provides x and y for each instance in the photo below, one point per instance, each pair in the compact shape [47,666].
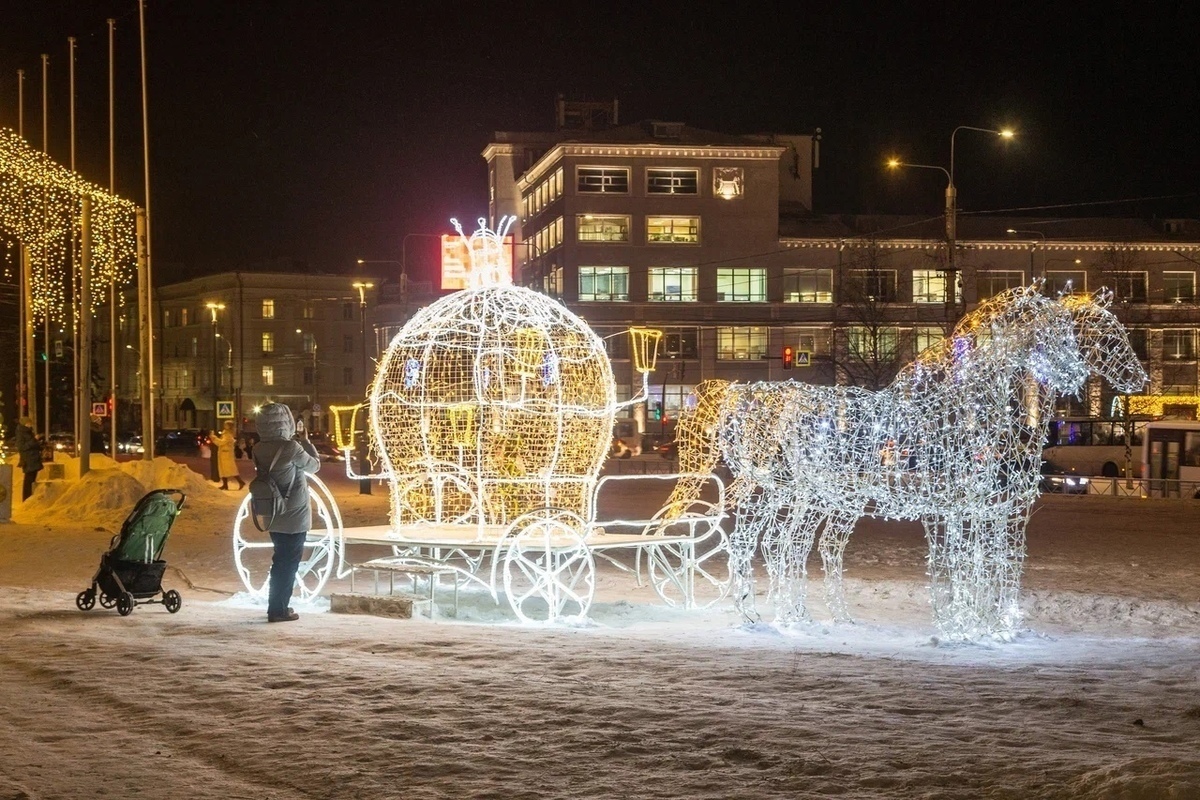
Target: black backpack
[267,499]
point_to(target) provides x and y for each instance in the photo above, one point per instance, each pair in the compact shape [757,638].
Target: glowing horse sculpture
[954,442]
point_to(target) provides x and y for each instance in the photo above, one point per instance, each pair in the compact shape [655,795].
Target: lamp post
[364,484]
[1032,246]
[951,211]
[316,404]
[216,390]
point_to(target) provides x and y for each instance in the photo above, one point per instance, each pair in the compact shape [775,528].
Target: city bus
[1095,446]
[1171,457]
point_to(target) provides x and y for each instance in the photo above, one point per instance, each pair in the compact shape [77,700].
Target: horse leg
[790,581]
[943,536]
[834,537]
[742,544]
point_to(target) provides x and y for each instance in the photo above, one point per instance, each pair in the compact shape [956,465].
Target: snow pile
[107,493]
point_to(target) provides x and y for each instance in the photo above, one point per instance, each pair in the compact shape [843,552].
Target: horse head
[1103,342]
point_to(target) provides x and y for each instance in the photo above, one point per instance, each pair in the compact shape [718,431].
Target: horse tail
[696,435]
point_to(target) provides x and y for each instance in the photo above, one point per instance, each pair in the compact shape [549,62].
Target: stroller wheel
[172,601]
[106,601]
[125,604]
[86,600]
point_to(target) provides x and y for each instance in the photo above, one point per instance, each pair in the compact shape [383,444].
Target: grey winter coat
[30,449]
[297,456]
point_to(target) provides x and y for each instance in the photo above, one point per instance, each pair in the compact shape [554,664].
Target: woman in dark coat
[289,528]
[29,446]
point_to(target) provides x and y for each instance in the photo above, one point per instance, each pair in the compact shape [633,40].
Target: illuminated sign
[456,261]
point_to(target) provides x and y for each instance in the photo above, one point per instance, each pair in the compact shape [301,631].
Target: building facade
[242,339]
[712,239]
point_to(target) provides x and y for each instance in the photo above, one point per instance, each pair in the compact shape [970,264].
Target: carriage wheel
[86,600]
[433,485]
[549,573]
[252,548]
[172,601]
[691,575]
[107,601]
[125,604]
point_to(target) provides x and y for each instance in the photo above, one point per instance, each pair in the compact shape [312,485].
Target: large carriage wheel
[549,573]
[432,486]
[252,549]
[677,569]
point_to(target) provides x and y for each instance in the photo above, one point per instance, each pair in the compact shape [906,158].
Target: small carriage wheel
[668,566]
[172,601]
[437,476]
[86,600]
[107,601]
[125,604]
[546,561]
[320,546]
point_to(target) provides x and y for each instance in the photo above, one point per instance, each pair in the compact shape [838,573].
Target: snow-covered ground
[1100,698]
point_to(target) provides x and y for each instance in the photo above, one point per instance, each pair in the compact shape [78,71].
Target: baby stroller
[131,572]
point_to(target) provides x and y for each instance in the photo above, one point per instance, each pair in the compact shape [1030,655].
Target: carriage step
[397,606]
[424,580]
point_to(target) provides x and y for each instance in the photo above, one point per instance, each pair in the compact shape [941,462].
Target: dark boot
[225,484]
[241,483]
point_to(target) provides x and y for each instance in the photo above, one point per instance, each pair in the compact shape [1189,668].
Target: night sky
[326,131]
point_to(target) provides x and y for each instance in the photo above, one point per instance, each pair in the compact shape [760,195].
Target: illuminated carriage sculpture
[492,413]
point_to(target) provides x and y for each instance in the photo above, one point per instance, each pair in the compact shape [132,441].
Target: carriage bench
[399,565]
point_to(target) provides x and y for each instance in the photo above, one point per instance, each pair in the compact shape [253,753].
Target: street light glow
[893,163]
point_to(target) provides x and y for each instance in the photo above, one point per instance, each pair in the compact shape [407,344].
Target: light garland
[41,205]
[955,442]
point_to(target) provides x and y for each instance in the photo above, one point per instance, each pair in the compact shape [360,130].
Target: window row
[727,182]
[617,228]
[305,309]
[542,195]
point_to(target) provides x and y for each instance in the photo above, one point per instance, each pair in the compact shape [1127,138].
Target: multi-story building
[712,239]
[248,338]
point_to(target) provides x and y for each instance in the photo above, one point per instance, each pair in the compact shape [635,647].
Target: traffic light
[789,357]
[656,411]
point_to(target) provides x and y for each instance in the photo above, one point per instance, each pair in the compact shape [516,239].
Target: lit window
[1065,282]
[728,182]
[268,342]
[195,347]
[604,283]
[929,286]
[1179,287]
[309,343]
[672,284]
[673,230]
[741,343]
[166,318]
[874,344]
[680,343]
[268,309]
[673,398]
[602,180]
[183,315]
[989,283]
[672,181]
[602,228]
[873,285]
[306,310]
[808,286]
[268,376]
[926,336]
[742,285]
[1179,344]
[347,310]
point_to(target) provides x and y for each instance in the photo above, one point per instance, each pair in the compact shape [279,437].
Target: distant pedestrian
[248,446]
[227,466]
[29,446]
[287,456]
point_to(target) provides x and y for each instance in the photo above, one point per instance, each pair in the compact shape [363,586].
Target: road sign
[316,408]
[803,358]
[99,409]
[224,409]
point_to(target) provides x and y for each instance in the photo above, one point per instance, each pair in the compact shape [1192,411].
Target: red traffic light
[789,358]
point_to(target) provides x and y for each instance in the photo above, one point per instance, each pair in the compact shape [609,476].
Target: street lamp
[364,484]
[311,338]
[1032,246]
[213,309]
[951,212]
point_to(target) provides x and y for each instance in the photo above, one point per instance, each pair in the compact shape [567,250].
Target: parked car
[326,451]
[182,441]
[668,450]
[1056,479]
[131,444]
[62,442]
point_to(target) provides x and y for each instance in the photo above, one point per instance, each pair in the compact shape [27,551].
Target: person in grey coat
[289,528]
[29,446]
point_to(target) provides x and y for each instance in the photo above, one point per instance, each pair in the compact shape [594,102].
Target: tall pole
[364,484]
[24,407]
[144,309]
[83,410]
[148,319]
[45,266]
[216,393]
[112,284]
[77,268]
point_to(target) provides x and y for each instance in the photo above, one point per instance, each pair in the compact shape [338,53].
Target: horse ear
[1103,297]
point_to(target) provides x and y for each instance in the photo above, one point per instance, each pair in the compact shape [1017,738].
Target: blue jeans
[289,548]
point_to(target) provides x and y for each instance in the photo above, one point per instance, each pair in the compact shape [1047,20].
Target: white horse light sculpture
[954,442]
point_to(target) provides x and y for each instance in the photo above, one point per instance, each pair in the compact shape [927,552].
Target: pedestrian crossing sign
[224,409]
[803,358]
